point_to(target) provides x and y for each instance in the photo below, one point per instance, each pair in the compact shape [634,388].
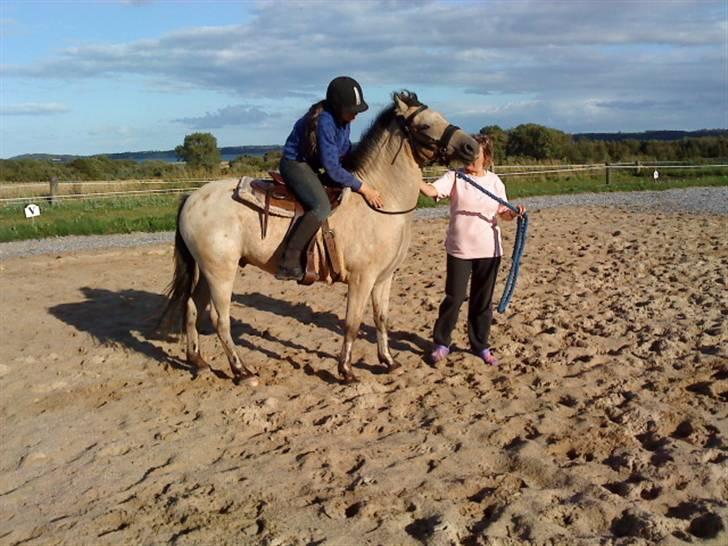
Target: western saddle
[318,264]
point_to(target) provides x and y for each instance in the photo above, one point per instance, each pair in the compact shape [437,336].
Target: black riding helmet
[344,94]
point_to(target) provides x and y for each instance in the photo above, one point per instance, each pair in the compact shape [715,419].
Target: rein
[439,147]
[390,211]
[518,247]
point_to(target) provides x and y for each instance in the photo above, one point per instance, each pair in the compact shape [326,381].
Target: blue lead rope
[518,247]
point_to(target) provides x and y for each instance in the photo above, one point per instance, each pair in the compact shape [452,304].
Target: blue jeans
[308,186]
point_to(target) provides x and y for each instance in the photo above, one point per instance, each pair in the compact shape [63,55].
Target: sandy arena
[605,423]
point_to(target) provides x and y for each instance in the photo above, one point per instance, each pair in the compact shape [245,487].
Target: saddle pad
[245,193]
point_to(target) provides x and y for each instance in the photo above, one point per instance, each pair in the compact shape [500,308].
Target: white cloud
[238,115]
[622,62]
[33,109]
[390,41]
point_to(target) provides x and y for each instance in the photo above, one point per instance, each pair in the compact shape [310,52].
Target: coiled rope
[518,247]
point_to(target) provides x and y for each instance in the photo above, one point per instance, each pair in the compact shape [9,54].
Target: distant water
[230,157]
[171,157]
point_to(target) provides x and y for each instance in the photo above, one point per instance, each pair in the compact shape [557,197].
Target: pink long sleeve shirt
[473,231]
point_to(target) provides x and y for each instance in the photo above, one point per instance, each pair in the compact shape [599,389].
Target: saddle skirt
[274,198]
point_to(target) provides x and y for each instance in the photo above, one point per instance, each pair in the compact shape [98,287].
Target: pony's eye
[424,127]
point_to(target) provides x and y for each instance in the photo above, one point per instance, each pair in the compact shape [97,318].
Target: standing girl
[474,250]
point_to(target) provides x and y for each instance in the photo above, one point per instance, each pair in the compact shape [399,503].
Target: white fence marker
[32,210]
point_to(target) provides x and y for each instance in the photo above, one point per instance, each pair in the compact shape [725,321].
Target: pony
[217,234]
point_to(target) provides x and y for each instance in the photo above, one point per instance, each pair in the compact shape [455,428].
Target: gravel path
[712,200]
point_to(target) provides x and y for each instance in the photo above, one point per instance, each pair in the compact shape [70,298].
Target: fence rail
[150,181]
[55,194]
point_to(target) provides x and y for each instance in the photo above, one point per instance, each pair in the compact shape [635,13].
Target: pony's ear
[400,106]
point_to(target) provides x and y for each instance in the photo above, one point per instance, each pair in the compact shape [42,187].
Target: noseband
[437,148]
[419,142]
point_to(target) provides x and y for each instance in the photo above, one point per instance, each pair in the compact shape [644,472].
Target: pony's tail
[179,290]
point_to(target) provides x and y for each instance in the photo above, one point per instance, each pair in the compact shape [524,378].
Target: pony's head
[432,137]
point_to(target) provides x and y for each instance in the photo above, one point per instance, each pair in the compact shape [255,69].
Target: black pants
[308,187]
[482,273]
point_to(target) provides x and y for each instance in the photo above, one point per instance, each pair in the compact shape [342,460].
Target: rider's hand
[373,197]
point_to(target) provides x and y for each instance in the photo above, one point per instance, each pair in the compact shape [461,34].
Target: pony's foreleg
[221,291]
[359,290]
[380,307]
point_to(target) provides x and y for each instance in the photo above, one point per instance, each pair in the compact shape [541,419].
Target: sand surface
[605,423]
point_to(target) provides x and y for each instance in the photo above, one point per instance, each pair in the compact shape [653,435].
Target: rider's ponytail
[310,142]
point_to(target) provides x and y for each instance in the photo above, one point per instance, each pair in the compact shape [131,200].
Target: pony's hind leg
[380,307]
[196,304]
[221,291]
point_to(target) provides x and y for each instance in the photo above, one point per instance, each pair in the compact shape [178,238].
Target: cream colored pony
[217,234]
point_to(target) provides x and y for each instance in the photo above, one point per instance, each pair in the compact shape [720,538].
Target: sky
[92,77]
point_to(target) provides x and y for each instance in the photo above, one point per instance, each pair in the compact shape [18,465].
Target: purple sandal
[439,353]
[488,357]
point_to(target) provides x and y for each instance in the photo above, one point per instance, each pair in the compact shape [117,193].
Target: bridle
[420,142]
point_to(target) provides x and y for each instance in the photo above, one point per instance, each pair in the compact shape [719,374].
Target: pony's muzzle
[469,151]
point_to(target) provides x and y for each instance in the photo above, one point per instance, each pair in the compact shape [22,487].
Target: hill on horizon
[231,152]
[226,152]
[652,135]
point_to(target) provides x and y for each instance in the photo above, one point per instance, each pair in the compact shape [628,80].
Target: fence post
[609,173]
[637,167]
[54,189]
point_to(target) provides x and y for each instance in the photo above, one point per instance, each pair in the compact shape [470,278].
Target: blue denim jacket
[333,144]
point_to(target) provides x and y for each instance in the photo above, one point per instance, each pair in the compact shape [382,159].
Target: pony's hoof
[395,367]
[198,363]
[350,379]
[200,372]
[247,380]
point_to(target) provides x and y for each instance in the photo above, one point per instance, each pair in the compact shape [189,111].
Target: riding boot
[290,267]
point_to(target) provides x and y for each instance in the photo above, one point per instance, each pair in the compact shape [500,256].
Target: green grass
[158,212]
[123,215]
[622,180]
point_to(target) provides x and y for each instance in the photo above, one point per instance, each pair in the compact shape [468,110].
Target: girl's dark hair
[310,142]
[487,146]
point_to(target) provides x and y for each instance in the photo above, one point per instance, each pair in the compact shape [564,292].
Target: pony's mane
[369,139]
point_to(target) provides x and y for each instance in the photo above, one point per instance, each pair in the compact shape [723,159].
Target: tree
[537,141]
[199,150]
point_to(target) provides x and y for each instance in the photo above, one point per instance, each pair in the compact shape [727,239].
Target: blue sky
[88,77]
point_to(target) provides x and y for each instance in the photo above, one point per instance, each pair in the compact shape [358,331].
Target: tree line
[199,156]
[530,141]
[526,143]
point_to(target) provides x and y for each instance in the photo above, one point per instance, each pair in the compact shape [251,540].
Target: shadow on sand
[398,340]
[128,318]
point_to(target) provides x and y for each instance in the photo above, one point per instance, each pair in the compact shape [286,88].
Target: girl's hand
[373,197]
[507,214]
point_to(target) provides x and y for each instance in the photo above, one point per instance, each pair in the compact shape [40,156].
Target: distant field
[157,211]
[10,190]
